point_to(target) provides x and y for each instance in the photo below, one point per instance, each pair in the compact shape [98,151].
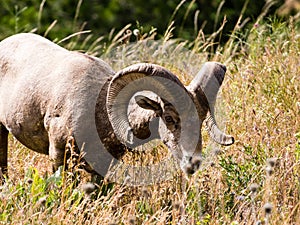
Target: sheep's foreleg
[56,156]
[3,151]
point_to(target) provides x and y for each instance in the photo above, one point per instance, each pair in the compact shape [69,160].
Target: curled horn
[132,79]
[204,87]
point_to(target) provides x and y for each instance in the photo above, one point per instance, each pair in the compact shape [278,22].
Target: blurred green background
[101,16]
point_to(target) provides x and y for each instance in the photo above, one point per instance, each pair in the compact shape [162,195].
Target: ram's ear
[147,103]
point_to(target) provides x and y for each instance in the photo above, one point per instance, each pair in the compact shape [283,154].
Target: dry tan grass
[259,106]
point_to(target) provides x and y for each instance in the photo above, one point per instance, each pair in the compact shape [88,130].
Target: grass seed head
[29,181]
[253,188]
[240,198]
[268,208]
[42,201]
[272,162]
[136,32]
[132,220]
[269,170]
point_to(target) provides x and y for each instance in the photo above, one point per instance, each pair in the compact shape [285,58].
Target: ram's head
[181,109]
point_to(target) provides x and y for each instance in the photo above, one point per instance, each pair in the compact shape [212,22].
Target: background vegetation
[255,181]
[69,16]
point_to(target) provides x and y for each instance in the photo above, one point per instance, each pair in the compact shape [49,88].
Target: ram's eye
[169,119]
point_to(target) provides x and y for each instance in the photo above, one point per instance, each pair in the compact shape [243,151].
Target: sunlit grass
[259,106]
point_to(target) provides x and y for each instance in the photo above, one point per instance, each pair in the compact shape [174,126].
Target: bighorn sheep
[42,87]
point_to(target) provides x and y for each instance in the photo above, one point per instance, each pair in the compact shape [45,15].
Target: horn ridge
[147,69]
[215,133]
[204,88]
[133,79]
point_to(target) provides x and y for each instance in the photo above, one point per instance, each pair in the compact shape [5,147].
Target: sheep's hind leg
[3,151]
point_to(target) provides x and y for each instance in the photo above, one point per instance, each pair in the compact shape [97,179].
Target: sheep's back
[41,84]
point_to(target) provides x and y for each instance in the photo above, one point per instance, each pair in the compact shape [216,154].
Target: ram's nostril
[189,170]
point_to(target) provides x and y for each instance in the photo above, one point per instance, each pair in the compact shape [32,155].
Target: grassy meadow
[254,181]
